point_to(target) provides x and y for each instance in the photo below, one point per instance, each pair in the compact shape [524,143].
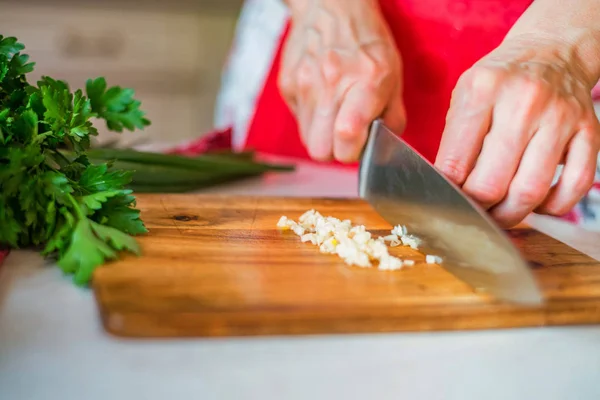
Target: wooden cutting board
[218,266]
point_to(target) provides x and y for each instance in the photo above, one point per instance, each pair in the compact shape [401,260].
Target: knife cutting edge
[406,189]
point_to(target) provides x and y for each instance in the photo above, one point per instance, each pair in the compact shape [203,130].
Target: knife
[406,189]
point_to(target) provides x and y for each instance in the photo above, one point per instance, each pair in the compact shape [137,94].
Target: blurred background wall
[170,52]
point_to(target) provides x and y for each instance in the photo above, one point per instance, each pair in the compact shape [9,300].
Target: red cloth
[212,141]
[438,41]
[3,255]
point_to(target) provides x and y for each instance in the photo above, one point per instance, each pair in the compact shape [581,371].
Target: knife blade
[406,189]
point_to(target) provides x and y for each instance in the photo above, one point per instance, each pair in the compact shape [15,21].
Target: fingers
[286,83]
[577,176]
[533,178]
[375,89]
[358,109]
[394,115]
[304,118]
[505,135]
[287,88]
[325,92]
[303,97]
[468,121]
[515,119]
[321,130]
[287,79]
[336,93]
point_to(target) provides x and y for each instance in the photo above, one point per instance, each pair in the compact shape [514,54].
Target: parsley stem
[62,157]
[78,210]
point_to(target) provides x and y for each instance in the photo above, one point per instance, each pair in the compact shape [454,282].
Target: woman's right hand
[340,71]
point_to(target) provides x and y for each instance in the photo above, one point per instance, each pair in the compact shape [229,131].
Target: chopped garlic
[309,237]
[431,259]
[410,240]
[298,230]
[350,252]
[354,244]
[329,246]
[393,239]
[377,249]
[399,230]
[390,238]
[360,235]
[390,262]
[285,223]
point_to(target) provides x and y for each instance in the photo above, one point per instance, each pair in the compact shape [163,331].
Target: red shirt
[438,40]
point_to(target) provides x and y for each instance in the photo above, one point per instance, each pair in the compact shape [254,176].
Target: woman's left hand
[514,117]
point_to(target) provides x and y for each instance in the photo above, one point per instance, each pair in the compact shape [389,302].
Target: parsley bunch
[72,209]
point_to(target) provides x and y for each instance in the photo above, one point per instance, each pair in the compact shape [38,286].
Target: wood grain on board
[218,266]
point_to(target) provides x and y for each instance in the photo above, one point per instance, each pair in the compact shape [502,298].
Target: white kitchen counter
[52,345]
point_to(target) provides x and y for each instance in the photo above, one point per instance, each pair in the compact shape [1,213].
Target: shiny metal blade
[406,189]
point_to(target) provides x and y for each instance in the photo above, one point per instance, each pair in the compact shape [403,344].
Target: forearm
[574,25]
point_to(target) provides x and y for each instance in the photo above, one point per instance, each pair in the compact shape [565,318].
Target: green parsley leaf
[91,245]
[85,252]
[115,105]
[57,99]
[117,239]
[10,46]
[13,66]
[57,186]
[80,125]
[94,201]
[99,178]
[3,67]
[59,239]
[25,126]
[10,228]
[119,212]
[80,213]
[19,65]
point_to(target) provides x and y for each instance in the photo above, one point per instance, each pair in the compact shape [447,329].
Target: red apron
[438,41]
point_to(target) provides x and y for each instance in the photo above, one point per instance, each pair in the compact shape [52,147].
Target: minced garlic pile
[353,243]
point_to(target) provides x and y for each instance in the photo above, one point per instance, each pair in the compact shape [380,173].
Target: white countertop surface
[52,345]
